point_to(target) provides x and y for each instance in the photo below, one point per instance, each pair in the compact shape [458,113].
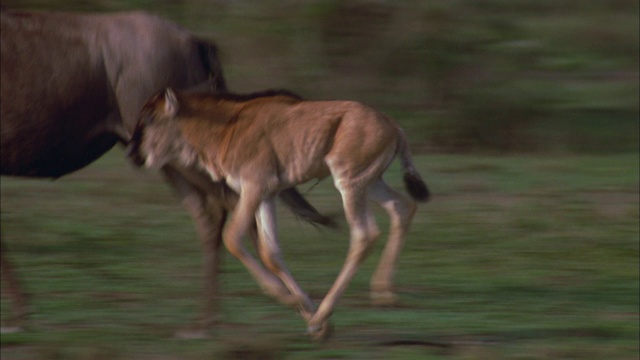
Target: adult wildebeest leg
[209,216]
[269,251]
[363,233]
[19,307]
[241,221]
[401,210]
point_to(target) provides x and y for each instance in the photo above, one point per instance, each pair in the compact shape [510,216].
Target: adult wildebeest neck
[72,85]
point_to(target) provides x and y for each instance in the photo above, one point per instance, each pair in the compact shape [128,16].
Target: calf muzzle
[133,154]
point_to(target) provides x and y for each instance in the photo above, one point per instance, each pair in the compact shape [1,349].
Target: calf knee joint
[271,260]
[233,244]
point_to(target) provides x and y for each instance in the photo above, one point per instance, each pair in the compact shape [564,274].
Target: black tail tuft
[416,187]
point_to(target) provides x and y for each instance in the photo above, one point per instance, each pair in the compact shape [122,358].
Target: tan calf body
[262,144]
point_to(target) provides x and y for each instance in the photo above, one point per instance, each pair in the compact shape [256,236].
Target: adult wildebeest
[72,87]
[263,143]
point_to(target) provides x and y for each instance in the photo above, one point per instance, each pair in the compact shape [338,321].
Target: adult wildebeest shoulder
[71,88]
[263,143]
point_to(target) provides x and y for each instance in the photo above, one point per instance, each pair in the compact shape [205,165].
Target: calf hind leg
[400,209]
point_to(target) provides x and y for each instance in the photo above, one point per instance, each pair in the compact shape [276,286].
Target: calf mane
[199,95]
[229,105]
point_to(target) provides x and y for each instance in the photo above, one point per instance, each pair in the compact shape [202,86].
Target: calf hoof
[320,332]
[383,298]
[305,314]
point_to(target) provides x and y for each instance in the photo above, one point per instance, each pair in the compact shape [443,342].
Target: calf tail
[412,179]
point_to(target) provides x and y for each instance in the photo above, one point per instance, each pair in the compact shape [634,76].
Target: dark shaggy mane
[259,94]
[202,92]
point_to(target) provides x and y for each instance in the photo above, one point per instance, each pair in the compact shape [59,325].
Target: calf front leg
[241,221]
[269,251]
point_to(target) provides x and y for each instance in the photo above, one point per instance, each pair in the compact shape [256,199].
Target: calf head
[158,138]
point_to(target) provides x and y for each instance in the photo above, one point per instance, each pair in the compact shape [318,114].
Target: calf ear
[171,105]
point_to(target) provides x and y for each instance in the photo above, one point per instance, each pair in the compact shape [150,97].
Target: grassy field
[519,257]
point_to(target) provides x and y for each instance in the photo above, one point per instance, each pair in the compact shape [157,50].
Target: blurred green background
[491,75]
[524,119]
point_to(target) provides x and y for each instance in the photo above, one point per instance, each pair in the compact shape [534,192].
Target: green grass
[519,257]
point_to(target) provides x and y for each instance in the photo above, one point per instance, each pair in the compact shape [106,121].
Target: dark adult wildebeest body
[262,144]
[72,87]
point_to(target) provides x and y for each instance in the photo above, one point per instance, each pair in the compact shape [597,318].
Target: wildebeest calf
[263,143]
